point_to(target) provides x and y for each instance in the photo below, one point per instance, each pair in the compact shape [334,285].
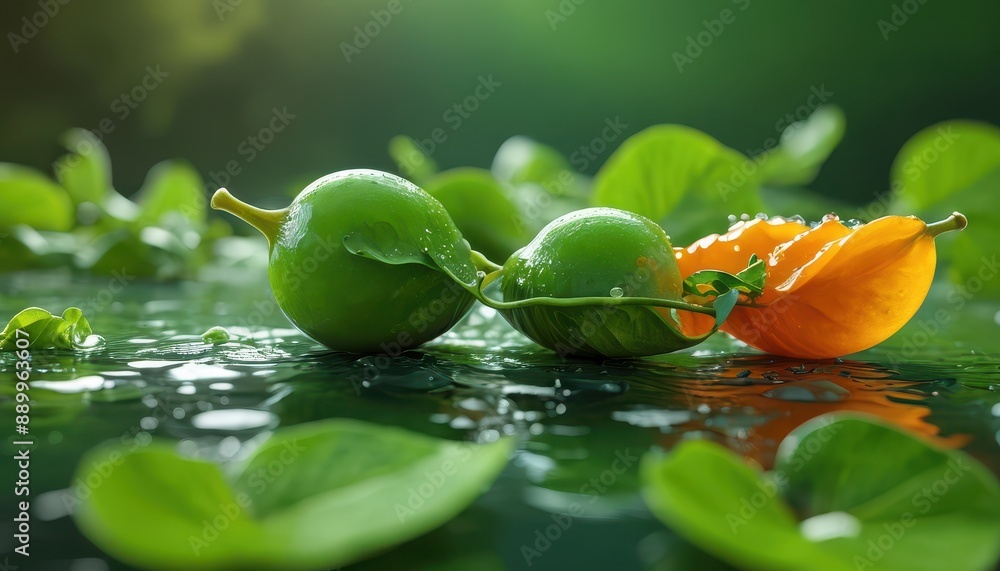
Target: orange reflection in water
[780,395]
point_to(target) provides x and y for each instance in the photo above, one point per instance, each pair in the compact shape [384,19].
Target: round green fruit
[326,279]
[596,252]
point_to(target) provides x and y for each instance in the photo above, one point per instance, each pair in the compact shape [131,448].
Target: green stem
[483,264]
[957,221]
[267,221]
[477,292]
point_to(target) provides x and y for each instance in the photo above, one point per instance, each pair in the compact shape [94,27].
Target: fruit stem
[267,221]
[957,221]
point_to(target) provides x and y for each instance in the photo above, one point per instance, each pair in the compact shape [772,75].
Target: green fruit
[597,252]
[354,261]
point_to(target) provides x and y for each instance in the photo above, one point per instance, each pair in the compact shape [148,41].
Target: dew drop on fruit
[617,292]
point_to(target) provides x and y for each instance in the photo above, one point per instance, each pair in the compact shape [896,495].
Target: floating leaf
[835,500]
[42,330]
[347,490]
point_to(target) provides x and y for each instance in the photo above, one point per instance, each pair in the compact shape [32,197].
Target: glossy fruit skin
[588,253]
[348,302]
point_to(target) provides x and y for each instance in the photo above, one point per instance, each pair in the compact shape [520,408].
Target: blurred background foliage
[564,68]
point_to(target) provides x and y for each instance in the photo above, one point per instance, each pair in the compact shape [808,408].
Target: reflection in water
[752,403]
[580,424]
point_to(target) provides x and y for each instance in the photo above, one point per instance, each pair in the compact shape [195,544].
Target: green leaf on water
[43,330]
[681,177]
[347,490]
[834,499]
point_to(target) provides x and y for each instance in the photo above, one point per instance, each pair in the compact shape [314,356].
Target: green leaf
[681,177]
[699,490]
[521,160]
[429,238]
[172,188]
[921,495]
[941,161]
[347,490]
[29,197]
[411,159]
[954,166]
[482,211]
[859,506]
[804,147]
[749,281]
[85,172]
[42,330]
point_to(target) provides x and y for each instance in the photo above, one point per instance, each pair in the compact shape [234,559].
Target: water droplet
[854,223]
[796,218]
[761,216]
[617,292]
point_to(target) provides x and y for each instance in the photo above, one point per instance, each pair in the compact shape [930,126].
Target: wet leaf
[42,330]
[347,490]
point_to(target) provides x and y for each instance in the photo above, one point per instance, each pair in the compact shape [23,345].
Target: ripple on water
[235,419]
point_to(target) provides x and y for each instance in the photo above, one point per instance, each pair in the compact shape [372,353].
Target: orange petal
[730,252]
[853,293]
